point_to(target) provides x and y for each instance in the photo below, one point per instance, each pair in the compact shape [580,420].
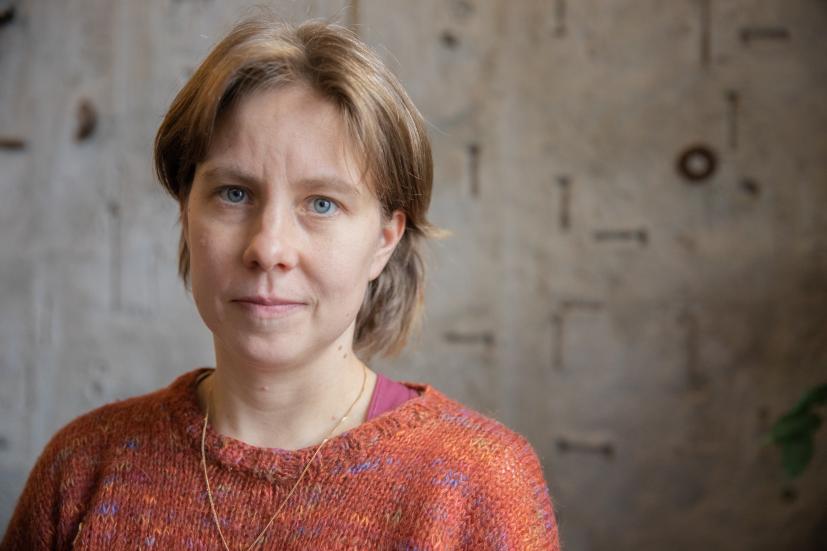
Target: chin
[260,349]
[272,354]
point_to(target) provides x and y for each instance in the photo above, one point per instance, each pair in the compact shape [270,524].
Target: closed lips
[265,301]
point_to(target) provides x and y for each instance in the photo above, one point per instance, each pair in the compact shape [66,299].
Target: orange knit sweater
[430,474]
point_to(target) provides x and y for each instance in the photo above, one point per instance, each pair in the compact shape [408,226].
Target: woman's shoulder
[87,435]
[492,466]
[75,460]
[456,429]
[136,411]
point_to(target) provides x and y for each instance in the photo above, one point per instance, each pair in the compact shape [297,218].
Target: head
[259,68]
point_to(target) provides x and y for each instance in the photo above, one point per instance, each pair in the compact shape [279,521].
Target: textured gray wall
[641,330]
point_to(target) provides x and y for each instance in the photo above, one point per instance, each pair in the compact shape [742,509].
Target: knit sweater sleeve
[512,508]
[53,499]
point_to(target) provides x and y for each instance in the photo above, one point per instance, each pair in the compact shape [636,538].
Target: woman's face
[283,234]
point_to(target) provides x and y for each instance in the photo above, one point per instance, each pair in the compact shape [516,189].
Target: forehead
[289,131]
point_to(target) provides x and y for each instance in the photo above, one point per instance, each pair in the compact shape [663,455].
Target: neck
[287,407]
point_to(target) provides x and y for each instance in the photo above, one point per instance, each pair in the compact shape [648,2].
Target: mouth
[268,307]
[268,301]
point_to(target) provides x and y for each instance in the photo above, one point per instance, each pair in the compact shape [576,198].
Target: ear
[392,231]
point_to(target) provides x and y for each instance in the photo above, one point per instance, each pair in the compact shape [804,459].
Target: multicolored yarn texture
[430,474]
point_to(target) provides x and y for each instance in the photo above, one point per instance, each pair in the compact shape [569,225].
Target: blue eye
[233,194]
[322,205]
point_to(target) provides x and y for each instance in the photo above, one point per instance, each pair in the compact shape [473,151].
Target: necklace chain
[293,489]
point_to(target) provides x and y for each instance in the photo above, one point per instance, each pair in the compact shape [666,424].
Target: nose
[272,245]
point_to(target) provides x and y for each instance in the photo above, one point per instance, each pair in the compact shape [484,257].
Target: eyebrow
[312,183]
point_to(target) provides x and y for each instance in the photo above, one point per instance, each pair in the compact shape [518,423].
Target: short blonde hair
[381,120]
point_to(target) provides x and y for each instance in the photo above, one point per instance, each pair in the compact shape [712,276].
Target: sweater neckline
[284,466]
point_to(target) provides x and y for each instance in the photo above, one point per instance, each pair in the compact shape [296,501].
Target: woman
[303,173]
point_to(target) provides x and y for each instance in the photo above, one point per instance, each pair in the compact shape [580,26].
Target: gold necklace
[284,501]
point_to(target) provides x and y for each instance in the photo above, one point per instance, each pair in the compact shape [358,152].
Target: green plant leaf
[796,454]
[814,396]
[795,426]
[793,432]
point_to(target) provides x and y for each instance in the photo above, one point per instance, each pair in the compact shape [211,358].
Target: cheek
[345,267]
[208,253]
[199,251]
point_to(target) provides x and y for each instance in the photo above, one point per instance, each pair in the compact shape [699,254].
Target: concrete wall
[640,328]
